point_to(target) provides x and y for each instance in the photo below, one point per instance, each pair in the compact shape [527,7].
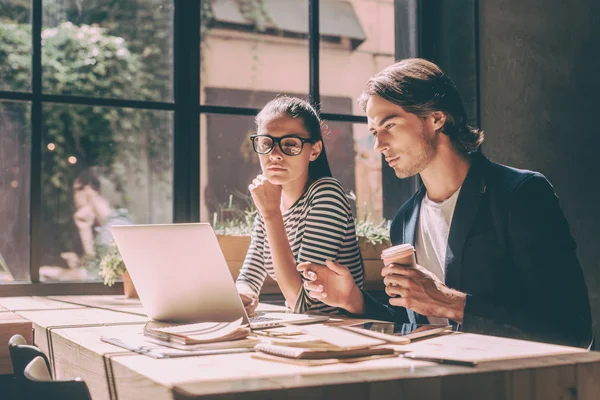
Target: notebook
[340,337]
[319,354]
[472,349]
[314,363]
[159,351]
[200,333]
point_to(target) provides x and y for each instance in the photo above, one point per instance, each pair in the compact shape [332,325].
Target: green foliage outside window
[84,60]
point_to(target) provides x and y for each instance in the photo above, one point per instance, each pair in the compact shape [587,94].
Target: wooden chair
[40,385]
[21,354]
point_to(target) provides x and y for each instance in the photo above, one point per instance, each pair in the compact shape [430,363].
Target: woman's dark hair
[88,177]
[420,87]
[294,107]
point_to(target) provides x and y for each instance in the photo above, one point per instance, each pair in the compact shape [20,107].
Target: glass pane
[15,45]
[101,167]
[367,169]
[357,41]
[15,149]
[108,48]
[229,164]
[253,46]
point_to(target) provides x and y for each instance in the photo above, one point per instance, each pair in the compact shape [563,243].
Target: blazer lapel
[410,220]
[467,206]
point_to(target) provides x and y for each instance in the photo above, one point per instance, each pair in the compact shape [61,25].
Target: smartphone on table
[396,332]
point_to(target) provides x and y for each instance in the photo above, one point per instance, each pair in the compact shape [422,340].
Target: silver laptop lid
[179,272]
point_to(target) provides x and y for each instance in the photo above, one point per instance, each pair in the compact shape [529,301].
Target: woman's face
[283,169]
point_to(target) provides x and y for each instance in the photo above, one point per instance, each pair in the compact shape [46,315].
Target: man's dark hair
[294,107]
[420,87]
[88,177]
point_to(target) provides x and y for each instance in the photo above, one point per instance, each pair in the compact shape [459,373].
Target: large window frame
[417,15]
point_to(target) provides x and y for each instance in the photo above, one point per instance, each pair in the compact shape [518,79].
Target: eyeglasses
[289,145]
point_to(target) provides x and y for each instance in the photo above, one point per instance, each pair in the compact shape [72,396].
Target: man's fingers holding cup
[397,280]
[394,291]
[397,269]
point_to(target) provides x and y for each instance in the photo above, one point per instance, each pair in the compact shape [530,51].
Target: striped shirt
[319,227]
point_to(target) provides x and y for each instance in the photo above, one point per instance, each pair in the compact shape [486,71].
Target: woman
[304,215]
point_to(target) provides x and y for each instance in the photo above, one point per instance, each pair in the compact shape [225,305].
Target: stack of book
[184,340]
[320,345]
[203,335]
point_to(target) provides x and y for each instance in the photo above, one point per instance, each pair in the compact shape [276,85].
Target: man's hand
[421,291]
[333,284]
[250,301]
[266,196]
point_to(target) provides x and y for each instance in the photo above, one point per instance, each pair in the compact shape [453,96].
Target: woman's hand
[250,301]
[266,196]
[84,218]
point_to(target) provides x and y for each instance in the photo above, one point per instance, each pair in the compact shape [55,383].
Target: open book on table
[325,342]
[198,333]
[320,354]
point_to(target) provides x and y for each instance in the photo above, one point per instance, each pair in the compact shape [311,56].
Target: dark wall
[539,89]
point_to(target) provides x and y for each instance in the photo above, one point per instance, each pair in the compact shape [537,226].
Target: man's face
[407,141]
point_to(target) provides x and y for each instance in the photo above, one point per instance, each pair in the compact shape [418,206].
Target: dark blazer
[511,251]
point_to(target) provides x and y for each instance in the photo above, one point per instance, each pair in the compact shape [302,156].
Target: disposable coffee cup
[401,254]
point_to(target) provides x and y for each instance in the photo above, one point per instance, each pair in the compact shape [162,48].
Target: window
[15,45]
[107,48]
[253,52]
[15,149]
[101,166]
[247,46]
[118,101]
[86,130]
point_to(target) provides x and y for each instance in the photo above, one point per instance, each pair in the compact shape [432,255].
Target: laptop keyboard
[260,318]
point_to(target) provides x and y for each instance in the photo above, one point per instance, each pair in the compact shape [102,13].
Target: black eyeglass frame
[277,140]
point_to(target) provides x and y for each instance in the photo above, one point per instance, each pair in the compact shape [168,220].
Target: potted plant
[373,238]
[234,239]
[112,267]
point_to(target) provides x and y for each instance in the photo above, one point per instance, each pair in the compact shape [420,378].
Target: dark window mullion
[361,119]
[18,96]
[107,102]
[226,110]
[36,142]
[186,131]
[313,54]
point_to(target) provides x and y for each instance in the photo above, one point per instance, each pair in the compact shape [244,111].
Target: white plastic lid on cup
[396,250]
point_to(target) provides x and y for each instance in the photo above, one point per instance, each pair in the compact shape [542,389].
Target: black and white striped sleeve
[328,232]
[253,271]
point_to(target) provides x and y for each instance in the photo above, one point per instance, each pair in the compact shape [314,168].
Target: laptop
[181,275]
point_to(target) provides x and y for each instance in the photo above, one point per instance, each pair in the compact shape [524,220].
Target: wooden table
[70,336]
[11,324]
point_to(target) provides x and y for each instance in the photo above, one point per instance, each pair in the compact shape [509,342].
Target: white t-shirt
[432,238]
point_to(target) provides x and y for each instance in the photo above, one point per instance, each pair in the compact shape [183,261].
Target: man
[493,248]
